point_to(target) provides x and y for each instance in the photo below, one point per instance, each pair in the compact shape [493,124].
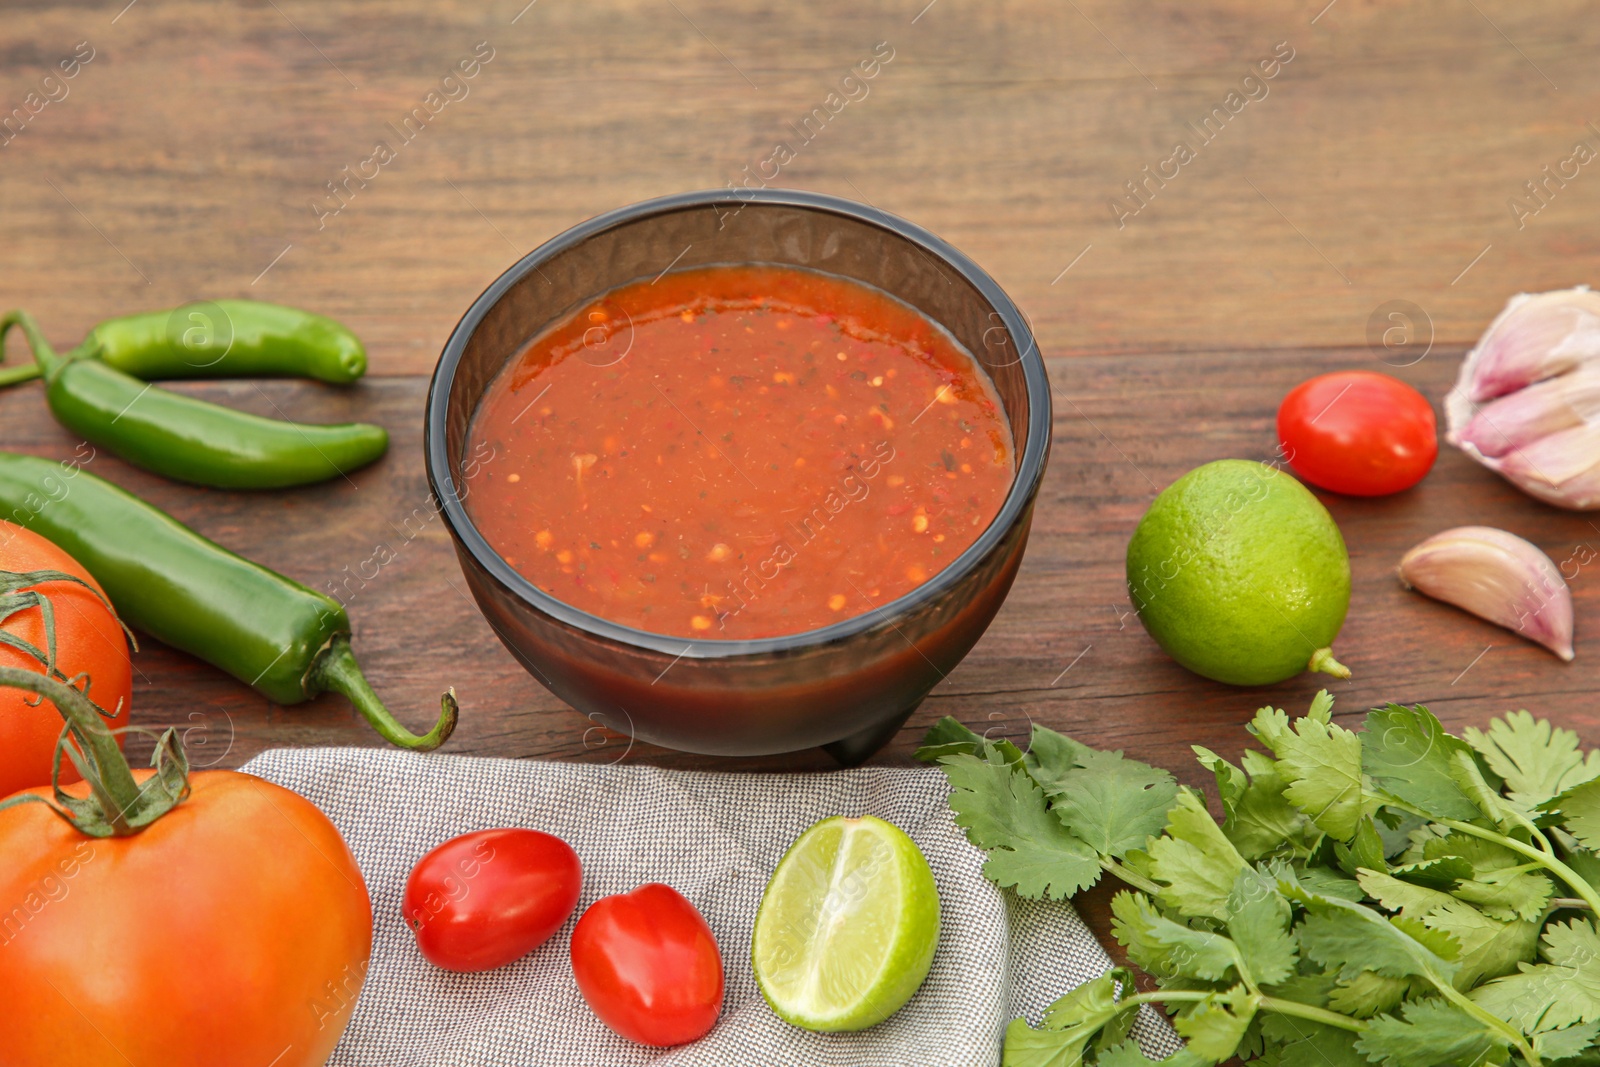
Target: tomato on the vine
[1358,432]
[90,648]
[246,881]
[648,965]
[484,899]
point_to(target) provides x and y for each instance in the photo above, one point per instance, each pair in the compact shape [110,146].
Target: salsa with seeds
[738,452]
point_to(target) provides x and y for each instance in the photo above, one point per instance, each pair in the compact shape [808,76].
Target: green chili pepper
[221,339]
[285,641]
[187,439]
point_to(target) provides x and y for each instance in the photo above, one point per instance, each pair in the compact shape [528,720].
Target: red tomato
[648,965]
[1358,432]
[88,642]
[483,899]
[245,880]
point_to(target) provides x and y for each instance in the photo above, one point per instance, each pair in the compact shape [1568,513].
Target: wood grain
[186,157]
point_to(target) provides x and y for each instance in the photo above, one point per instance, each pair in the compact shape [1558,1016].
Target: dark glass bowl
[848,686]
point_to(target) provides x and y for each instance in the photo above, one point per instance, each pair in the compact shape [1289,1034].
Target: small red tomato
[483,899]
[1358,432]
[648,965]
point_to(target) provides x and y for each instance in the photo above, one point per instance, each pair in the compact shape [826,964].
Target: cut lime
[847,927]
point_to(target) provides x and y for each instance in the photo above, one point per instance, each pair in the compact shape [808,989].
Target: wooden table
[1384,162]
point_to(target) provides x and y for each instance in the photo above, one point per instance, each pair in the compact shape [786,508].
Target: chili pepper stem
[336,670]
[17,375]
[46,362]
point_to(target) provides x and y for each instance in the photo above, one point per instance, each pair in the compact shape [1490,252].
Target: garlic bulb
[1496,576]
[1527,401]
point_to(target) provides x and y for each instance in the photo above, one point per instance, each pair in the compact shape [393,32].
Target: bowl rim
[1024,486]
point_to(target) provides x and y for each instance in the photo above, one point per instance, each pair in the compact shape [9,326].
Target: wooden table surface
[1382,168]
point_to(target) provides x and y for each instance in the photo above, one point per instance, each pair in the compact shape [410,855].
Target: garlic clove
[1535,337]
[1515,420]
[1581,492]
[1496,576]
[1555,459]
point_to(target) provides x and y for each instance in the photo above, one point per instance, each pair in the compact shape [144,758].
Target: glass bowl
[847,687]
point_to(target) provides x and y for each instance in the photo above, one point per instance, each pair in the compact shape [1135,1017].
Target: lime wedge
[847,926]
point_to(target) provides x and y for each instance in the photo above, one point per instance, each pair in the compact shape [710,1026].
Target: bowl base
[858,748]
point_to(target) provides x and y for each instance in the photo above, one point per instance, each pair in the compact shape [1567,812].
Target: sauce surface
[737,452]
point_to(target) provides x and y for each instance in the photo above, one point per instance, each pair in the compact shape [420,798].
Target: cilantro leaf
[1194,860]
[1407,752]
[1002,810]
[1258,922]
[1322,763]
[1307,1044]
[1552,1045]
[1165,948]
[1368,993]
[1441,872]
[1027,1047]
[1579,808]
[1508,893]
[1215,1026]
[1365,850]
[1536,760]
[1489,947]
[1430,1033]
[1256,816]
[1069,1024]
[947,737]
[1129,1054]
[1111,803]
[1402,896]
[1346,941]
[1556,994]
[1051,756]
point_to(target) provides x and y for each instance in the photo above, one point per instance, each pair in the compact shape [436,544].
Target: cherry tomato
[89,642]
[246,881]
[648,965]
[1358,432]
[484,899]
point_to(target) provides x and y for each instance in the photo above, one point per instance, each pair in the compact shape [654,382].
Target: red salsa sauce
[737,452]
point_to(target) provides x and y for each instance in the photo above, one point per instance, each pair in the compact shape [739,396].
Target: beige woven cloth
[715,838]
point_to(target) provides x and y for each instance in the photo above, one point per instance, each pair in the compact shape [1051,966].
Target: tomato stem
[118,805]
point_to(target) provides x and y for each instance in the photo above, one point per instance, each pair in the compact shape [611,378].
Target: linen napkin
[716,839]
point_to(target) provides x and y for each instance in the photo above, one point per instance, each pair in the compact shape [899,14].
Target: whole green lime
[1241,575]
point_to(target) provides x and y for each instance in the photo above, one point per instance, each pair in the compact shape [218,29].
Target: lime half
[847,927]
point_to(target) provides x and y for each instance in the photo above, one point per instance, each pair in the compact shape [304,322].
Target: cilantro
[1389,897]
[1409,754]
[1195,860]
[1322,763]
[1002,809]
[1114,804]
[1430,1033]
[1538,762]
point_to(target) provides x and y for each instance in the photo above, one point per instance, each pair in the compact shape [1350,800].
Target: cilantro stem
[1307,1012]
[1132,877]
[1558,903]
[1573,879]
[1313,1014]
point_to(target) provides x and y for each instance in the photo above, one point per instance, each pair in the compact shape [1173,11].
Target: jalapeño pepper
[187,439]
[221,339]
[285,641]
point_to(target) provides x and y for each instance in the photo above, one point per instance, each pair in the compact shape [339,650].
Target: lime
[847,926]
[1241,575]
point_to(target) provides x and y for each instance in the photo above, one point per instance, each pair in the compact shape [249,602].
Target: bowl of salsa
[741,473]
